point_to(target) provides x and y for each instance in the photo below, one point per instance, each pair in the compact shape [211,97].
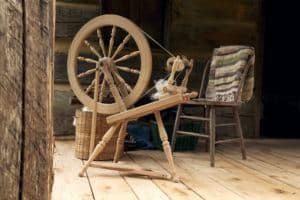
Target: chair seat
[203,101]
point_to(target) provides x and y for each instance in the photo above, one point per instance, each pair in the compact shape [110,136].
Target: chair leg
[206,128]
[239,131]
[212,135]
[176,127]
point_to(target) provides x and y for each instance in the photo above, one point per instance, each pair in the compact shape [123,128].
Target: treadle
[194,118]
[132,170]
[192,134]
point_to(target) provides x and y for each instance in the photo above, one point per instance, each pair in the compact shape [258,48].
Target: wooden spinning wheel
[108,68]
[104,51]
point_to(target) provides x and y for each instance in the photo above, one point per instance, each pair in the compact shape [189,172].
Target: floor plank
[256,185]
[108,184]
[67,185]
[143,187]
[173,190]
[198,181]
[285,149]
[271,170]
[240,179]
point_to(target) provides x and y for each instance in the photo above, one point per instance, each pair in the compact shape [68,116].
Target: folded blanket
[226,70]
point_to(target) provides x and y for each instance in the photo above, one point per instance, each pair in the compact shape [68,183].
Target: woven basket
[83,132]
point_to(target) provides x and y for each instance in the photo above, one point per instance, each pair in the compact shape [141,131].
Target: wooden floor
[272,171]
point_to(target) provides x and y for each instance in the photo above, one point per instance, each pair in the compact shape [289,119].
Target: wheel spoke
[101,43]
[102,92]
[121,46]
[112,40]
[89,88]
[88,60]
[126,57]
[127,69]
[86,73]
[120,86]
[122,81]
[92,48]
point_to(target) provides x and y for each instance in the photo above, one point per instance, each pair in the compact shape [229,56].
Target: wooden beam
[11,97]
[37,173]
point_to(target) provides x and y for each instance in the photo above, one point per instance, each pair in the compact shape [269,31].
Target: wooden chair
[211,104]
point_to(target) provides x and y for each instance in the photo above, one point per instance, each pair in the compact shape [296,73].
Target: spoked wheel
[106,38]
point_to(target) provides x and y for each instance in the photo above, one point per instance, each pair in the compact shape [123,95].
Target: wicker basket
[83,132]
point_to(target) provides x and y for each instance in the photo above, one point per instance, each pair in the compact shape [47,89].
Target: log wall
[26,63]
[70,16]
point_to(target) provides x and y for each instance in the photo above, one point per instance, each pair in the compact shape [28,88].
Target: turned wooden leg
[212,135]
[100,146]
[165,143]
[239,131]
[120,141]
[176,127]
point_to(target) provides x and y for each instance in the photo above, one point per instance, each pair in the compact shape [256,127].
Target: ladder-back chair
[227,81]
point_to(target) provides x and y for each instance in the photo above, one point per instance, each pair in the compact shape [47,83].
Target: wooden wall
[193,28]
[26,65]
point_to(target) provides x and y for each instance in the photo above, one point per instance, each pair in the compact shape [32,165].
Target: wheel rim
[144,53]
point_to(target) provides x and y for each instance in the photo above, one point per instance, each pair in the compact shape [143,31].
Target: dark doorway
[281,87]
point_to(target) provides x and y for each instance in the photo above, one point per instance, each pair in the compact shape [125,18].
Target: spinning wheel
[105,51]
[109,71]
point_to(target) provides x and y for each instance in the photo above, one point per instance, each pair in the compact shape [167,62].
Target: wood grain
[27,29]
[38,91]
[11,90]
[171,189]
[65,163]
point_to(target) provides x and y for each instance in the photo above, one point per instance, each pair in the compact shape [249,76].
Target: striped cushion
[227,66]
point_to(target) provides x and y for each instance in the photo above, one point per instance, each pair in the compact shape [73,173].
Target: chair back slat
[204,79]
